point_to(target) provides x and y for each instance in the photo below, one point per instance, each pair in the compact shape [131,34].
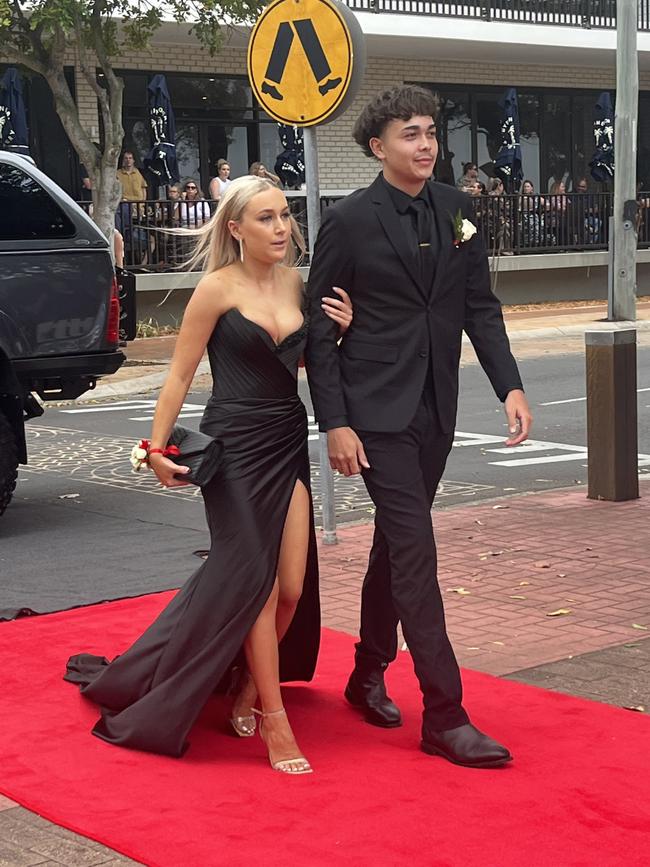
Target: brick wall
[342,163]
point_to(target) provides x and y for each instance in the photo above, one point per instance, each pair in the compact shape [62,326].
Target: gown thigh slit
[151,695]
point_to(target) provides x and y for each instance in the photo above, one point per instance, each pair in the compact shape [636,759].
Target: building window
[216,118]
[556,133]
[28,212]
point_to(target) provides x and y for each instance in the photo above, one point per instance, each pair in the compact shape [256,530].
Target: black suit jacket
[373,380]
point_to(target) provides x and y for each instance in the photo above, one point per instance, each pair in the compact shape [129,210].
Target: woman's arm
[215,189]
[201,316]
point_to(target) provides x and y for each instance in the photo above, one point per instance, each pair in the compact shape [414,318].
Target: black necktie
[423,219]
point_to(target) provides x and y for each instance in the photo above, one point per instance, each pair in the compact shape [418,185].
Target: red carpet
[576,795]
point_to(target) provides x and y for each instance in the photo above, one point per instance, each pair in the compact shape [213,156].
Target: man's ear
[377,147]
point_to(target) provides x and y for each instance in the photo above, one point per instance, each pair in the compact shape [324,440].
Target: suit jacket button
[423,353]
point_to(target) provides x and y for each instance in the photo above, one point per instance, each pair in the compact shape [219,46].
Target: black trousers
[401,584]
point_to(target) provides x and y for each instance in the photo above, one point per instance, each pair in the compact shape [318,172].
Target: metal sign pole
[313,225]
[625,131]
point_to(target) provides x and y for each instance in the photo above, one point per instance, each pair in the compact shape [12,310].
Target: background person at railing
[558,216]
[260,171]
[588,222]
[219,184]
[469,176]
[194,209]
[531,216]
[499,218]
[129,214]
[643,204]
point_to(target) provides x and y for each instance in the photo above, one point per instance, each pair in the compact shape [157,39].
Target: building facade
[558,70]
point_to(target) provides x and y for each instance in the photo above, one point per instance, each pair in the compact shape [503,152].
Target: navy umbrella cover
[507,164]
[161,161]
[290,163]
[602,162]
[13,116]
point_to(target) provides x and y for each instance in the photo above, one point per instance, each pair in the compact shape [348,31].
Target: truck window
[27,211]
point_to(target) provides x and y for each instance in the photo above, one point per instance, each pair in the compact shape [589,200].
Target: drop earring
[241,249]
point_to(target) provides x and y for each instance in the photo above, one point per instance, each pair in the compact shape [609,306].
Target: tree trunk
[101,167]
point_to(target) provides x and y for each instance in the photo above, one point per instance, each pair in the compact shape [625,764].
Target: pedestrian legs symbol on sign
[313,49]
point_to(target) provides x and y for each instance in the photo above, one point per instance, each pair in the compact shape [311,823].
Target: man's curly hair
[398,103]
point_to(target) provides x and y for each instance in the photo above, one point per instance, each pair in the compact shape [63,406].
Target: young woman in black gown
[258,588]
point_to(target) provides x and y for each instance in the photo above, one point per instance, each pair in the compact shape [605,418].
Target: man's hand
[346,452]
[519,417]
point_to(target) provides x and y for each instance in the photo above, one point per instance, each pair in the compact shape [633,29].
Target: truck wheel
[8,462]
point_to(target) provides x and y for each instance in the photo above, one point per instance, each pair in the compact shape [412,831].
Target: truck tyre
[8,462]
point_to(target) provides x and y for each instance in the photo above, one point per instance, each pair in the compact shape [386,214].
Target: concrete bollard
[612,436]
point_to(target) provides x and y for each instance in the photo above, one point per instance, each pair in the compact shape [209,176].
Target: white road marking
[519,456]
[577,399]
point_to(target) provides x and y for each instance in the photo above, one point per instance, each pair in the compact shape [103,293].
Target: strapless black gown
[151,695]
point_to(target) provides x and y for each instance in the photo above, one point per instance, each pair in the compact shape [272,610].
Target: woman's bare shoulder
[216,288]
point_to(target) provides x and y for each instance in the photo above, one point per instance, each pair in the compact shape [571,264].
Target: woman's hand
[339,310]
[166,470]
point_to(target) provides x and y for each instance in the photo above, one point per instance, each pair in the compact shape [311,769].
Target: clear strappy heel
[243,726]
[294,765]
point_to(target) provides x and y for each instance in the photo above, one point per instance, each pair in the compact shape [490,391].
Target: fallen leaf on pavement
[559,612]
[524,583]
[638,626]
[68,496]
[460,590]
[480,523]
[639,708]
[491,553]
[500,507]
[517,597]
[542,564]
[561,574]
[472,648]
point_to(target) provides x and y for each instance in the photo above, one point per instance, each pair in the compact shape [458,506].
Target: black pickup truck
[59,305]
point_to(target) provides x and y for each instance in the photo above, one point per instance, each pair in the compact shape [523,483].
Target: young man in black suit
[405,250]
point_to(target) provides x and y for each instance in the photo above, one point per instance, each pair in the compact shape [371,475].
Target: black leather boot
[366,690]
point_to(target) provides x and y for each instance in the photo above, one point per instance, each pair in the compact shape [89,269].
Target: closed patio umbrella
[507,164]
[13,117]
[290,164]
[602,162]
[161,162]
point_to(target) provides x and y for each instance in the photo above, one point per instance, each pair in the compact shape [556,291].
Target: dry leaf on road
[460,590]
[638,626]
[559,613]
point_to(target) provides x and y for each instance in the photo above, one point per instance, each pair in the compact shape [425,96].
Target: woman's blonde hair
[215,245]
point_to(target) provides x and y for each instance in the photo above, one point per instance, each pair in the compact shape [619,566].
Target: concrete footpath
[550,589]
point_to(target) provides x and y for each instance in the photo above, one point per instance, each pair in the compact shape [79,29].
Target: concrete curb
[135,385]
[140,384]
[573,330]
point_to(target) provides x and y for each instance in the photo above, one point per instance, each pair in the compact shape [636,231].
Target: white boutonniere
[464,229]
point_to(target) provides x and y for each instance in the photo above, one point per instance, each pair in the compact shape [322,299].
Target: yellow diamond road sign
[305,60]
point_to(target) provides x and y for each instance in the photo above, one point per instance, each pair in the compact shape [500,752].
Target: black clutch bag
[198,451]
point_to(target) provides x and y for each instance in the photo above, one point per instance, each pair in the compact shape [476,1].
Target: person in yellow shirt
[134,186]
[134,189]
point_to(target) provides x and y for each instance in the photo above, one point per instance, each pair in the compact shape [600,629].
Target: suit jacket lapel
[444,219]
[393,228]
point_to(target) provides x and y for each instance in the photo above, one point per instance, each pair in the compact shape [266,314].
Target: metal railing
[508,224]
[149,246]
[567,13]
[520,224]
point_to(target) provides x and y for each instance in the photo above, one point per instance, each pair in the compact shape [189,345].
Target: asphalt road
[80,515]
